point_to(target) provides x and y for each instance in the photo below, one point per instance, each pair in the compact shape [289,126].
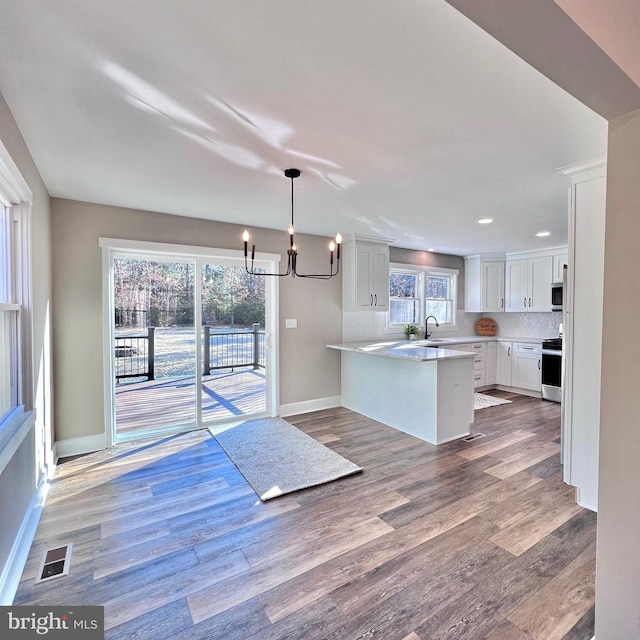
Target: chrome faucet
[426,326]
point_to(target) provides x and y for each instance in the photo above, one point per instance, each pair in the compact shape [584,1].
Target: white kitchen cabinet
[528,284]
[479,361]
[526,366]
[491,358]
[484,284]
[365,276]
[503,363]
[559,261]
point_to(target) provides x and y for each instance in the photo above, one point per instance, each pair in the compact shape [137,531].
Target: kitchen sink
[431,341]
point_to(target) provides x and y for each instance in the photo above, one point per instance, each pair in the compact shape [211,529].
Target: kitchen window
[418,292]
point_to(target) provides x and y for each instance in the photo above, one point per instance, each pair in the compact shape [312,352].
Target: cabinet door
[539,298]
[516,285]
[380,277]
[364,276]
[492,362]
[526,366]
[503,364]
[492,283]
[527,370]
[559,261]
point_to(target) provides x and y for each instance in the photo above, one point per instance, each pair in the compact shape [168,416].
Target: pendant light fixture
[292,251]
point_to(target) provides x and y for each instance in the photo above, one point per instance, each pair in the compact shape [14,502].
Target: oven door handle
[551,352]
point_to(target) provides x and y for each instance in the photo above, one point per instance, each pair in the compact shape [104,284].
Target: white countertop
[405,349]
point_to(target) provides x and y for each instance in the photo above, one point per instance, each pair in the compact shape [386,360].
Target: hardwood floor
[475,540]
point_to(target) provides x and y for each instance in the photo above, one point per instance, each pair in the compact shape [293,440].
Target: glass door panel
[155,346]
[233,349]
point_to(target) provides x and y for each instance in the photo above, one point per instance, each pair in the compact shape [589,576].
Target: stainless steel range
[552,369]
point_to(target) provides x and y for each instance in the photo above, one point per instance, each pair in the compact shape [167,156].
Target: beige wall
[308,370]
[618,556]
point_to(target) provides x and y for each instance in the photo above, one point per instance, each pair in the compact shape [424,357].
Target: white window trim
[423,271]
[16,195]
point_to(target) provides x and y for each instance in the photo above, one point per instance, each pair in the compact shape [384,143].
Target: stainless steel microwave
[557,294]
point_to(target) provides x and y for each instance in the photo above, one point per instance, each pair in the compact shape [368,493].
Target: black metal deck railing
[135,355]
[222,349]
[233,349]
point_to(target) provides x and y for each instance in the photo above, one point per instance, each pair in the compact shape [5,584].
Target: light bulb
[332,246]
[245,236]
[338,238]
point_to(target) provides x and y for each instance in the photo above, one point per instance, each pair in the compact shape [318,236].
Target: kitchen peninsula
[424,391]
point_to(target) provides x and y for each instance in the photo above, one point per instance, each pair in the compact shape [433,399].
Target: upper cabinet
[365,275]
[528,283]
[560,261]
[484,284]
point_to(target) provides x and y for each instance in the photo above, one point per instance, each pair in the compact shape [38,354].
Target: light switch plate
[291,323]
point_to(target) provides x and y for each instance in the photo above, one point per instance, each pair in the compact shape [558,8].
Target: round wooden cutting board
[486,327]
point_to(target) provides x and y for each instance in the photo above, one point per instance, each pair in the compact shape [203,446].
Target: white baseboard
[13,568]
[79,446]
[295,408]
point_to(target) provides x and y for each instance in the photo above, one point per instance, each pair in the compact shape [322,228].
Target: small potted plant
[412,331]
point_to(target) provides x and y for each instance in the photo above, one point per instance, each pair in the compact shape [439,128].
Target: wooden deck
[142,406]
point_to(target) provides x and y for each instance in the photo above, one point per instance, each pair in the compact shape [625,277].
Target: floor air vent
[473,437]
[55,563]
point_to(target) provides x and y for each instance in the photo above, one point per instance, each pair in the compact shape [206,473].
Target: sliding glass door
[189,342]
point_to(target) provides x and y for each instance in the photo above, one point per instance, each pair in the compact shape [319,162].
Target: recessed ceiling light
[485,221]
[543,234]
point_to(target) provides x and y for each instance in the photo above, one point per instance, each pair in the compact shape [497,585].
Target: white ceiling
[406,119]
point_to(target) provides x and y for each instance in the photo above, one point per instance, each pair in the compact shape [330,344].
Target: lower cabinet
[479,349]
[491,359]
[509,364]
[526,366]
[519,364]
[503,363]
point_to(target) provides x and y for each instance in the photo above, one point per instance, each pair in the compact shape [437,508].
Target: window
[15,294]
[9,319]
[418,292]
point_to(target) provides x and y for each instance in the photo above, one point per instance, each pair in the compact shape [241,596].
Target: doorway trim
[139,248]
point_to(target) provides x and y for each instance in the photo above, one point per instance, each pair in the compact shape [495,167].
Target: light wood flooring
[478,540]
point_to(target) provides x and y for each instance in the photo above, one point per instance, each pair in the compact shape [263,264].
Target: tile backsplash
[367,325]
[528,325]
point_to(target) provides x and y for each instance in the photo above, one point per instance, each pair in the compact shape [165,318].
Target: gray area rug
[481,401]
[277,458]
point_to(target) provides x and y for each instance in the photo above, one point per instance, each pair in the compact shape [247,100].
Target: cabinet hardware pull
[524,304]
[529,302]
[509,352]
[538,363]
[376,299]
[528,348]
[501,302]
[371,296]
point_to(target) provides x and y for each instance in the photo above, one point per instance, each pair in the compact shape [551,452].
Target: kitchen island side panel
[431,400]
